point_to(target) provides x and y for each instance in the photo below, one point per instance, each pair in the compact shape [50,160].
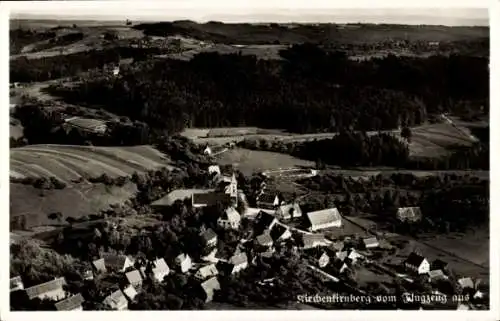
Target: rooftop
[324,216]
[46,287]
[70,303]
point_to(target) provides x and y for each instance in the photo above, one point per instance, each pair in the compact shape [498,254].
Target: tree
[406,133]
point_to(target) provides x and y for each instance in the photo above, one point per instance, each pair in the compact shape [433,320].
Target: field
[74,201]
[466,253]
[68,163]
[429,140]
[249,161]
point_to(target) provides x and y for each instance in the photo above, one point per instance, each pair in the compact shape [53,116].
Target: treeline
[359,149]
[47,68]
[63,40]
[18,38]
[311,90]
[448,202]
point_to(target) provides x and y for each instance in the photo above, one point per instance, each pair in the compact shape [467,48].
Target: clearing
[249,161]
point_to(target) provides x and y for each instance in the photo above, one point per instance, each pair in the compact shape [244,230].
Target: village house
[183,262]
[211,256]
[230,219]
[280,233]
[264,240]
[438,264]
[417,264]
[370,243]
[321,259]
[134,278]
[160,269]
[210,199]
[116,301]
[324,219]
[340,265]
[214,170]
[436,275]
[73,303]
[51,290]
[88,275]
[269,200]
[409,214]
[239,262]
[265,220]
[209,238]
[130,292]
[465,283]
[113,262]
[208,287]
[289,211]
[313,240]
[16,283]
[206,272]
[352,255]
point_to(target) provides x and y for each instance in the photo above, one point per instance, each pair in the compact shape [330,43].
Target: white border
[233,6]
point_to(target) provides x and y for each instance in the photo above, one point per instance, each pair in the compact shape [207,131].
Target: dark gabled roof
[208,235]
[264,219]
[114,260]
[15,281]
[438,264]
[211,198]
[414,259]
[238,259]
[70,303]
[264,238]
[267,197]
[40,289]
[277,231]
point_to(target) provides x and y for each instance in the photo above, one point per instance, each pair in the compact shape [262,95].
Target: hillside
[72,163]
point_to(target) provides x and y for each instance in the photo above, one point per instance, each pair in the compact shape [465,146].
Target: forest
[310,90]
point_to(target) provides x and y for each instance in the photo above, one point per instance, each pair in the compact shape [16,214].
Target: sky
[201,12]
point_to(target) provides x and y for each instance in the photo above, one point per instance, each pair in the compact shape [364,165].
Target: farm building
[86,124]
[265,220]
[73,303]
[324,219]
[409,214]
[321,259]
[280,232]
[160,269]
[51,290]
[417,263]
[313,240]
[214,169]
[341,266]
[117,262]
[16,284]
[438,264]
[183,262]
[239,262]
[116,301]
[289,211]
[210,199]
[206,272]
[208,287]
[435,275]
[465,283]
[269,200]
[178,194]
[134,278]
[230,219]
[370,242]
[209,237]
[264,240]
[130,292]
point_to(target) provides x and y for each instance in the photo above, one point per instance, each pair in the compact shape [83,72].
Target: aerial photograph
[255,162]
